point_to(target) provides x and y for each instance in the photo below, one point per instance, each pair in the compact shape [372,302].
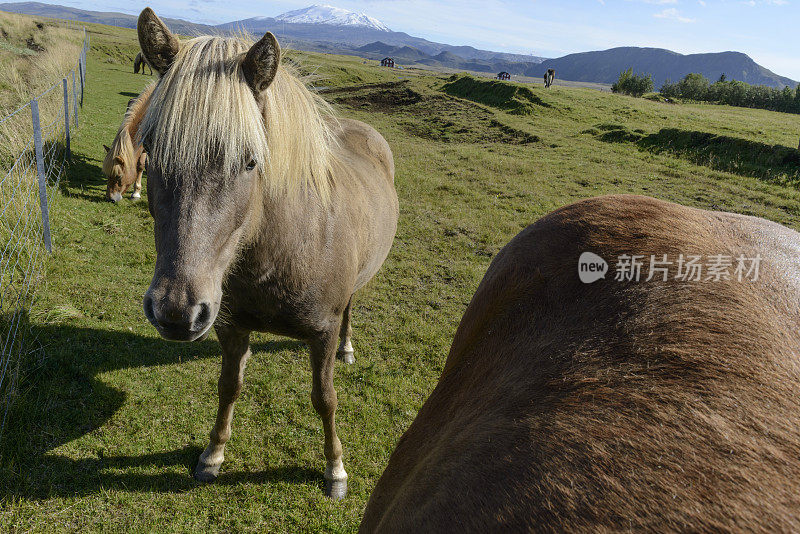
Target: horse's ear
[260,65]
[159,46]
[107,149]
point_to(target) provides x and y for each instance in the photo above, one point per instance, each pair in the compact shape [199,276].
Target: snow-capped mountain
[325,14]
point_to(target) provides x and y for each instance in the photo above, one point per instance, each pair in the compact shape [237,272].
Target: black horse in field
[549,76]
[139,62]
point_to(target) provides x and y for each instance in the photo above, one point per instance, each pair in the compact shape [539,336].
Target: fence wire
[28,180]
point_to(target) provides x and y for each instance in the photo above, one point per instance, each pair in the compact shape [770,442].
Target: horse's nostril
[205,314]
[149,313]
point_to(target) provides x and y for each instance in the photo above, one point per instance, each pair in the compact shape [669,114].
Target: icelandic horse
[265,206]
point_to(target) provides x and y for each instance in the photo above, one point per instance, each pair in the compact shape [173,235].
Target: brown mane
[124,145]
[564,406]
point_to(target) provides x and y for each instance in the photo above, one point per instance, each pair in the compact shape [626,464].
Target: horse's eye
[252,165]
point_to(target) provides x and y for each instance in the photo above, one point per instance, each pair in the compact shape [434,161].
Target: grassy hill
[110,418]
[35,53]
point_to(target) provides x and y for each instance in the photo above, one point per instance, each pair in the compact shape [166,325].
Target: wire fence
[39,135]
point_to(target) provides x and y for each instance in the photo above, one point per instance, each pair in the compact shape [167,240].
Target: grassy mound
[431,115]
[774,163]
[34,54]
[512,98]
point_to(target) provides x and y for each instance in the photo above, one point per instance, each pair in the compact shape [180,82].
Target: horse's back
[669,405]
[360,140]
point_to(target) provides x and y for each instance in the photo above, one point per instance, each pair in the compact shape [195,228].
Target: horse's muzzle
[180,324]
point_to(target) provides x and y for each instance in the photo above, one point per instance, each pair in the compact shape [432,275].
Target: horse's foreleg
[323,397]
[137,187]
[235,351]
[345,351]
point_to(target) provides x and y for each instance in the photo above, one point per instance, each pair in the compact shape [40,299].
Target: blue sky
[767,30]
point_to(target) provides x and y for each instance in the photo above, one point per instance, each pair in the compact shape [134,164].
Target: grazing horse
[649,405]
[265,206]
[139,62]
[549,76]
[125,158]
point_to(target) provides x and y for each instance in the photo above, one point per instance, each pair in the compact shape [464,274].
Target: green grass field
[110,418]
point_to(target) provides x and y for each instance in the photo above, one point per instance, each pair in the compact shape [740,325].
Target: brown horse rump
[618,404]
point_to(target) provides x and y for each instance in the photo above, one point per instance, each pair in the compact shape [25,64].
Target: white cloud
[673,14]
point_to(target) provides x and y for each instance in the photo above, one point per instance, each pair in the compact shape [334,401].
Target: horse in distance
[611,403]
[140,63]
[125,158]
[549,76]
[265,206]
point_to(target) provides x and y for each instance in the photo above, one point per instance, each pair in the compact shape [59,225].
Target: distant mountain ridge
[604,66]
[111,18]
[408,55]
[355,36]
[344,32]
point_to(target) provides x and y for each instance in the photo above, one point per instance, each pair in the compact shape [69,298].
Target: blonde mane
[203,113]
[123,144]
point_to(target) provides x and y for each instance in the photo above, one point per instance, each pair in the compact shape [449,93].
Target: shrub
[693,86]
[734,93]
[632,84]
[670,90]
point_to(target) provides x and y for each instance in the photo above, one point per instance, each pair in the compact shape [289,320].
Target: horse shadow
[61,399]
[85,179]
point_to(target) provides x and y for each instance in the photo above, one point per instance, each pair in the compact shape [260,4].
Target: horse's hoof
[136,197]
[206,473]
[347,357]
[336,490]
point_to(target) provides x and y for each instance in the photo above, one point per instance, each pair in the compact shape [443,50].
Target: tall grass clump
[34,55]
